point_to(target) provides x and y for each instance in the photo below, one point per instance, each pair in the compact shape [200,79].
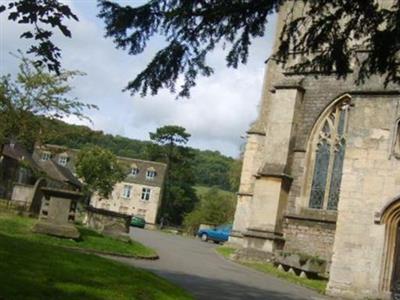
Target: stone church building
[321,177]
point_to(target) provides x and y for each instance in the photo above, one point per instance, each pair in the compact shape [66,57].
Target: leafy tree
[170,135]
[215,207]
[35,93]
[235,171]
[212,169]
[325,34]
[179,195]
[99,170]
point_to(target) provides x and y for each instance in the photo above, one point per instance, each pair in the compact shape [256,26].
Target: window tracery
[396,141]
[329,147]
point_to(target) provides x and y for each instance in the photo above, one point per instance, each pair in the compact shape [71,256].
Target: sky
[217,115]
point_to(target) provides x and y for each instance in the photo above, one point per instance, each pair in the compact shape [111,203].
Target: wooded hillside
[211,167]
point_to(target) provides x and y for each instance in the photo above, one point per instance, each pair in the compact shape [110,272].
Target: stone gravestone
[108,222]
[57,213]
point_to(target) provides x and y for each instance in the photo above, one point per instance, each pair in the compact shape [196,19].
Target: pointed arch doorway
[390,275]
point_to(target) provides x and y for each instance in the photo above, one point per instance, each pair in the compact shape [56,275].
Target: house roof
[19,153]
[49,167]
[142,165]
[57,172]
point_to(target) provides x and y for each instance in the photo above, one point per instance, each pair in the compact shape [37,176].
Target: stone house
[139,194]
[321,177]
[20,170]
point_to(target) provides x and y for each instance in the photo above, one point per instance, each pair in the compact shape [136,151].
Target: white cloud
[217,114]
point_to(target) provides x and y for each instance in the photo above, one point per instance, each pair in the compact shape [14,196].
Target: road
[195,266]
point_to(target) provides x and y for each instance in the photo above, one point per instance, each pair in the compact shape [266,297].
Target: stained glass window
[396,142]
[328,160]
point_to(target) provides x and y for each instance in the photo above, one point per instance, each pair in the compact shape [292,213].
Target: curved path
[195,266]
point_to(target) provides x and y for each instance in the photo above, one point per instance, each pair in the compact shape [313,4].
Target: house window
[329,146]
[145,194]
[134,171]
[127,191]
[150,174]
[45,156]
[62,160]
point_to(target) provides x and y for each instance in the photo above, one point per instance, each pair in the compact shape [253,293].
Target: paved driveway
[195,266]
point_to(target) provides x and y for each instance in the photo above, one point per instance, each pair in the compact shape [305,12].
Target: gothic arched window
[396,140]
[329,146]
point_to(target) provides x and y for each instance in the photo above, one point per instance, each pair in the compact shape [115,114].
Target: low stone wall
[16,206]
[107,222]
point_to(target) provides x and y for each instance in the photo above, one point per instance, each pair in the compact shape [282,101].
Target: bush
[214,207]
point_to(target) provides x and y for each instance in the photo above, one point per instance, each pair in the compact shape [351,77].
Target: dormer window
[134,170]
[62,160]
[45,156]
[150,174]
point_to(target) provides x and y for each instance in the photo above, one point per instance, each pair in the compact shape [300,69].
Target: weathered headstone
[57,213]
[108,222]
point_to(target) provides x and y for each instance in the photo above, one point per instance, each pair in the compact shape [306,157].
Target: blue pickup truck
[217,234]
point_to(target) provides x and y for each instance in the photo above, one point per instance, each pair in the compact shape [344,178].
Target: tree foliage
[35,93]
[170,135]
[192,30]
[99,169]
[334,36]
[42,14]
[330,35]
[325,33]
[215,207]
[212,169]
[179,196]
[235,171]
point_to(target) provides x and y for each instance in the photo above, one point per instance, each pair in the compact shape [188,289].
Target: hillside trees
[212,169]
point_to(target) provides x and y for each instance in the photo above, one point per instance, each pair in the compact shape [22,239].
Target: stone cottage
[321,177]
[21,171]
[139,194]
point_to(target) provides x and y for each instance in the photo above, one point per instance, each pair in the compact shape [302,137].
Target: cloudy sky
[217,114]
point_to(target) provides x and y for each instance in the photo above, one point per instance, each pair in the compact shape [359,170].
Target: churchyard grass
[315,284]
[21,227]
[225,251]
[32,269]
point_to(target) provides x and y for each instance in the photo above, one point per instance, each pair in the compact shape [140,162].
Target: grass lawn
[315,284]
[31,269]
[20,227]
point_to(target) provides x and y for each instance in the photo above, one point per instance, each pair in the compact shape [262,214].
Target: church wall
[370,178]
[314,238]
[252,161]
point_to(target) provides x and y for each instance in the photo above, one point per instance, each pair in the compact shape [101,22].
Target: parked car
[217,234]
[138,222]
